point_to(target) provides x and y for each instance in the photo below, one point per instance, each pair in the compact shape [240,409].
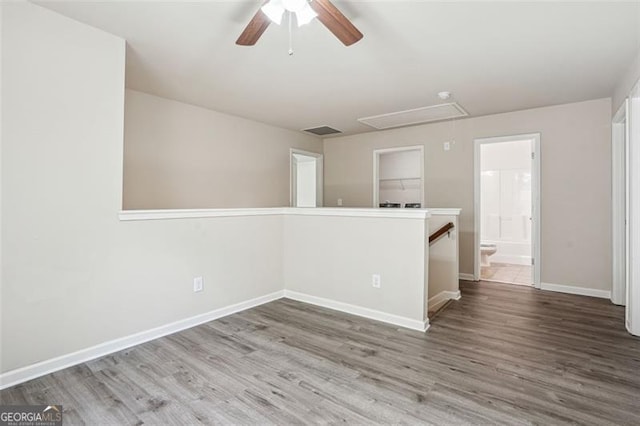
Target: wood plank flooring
[503,354]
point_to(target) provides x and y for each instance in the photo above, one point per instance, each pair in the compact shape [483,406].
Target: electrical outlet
[375,280]
[198,284]
[339,202]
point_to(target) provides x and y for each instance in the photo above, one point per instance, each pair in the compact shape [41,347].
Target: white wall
[575,187]
[334,258]
[625,83]
[73,276]
[180,156]
[76,280]
[1,164]
[633,295]
[629,81]
[443,262]
[506,155]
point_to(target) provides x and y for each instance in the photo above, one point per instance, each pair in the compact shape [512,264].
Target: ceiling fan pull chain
[290,35]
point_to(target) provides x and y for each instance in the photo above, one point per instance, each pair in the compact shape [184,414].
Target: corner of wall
[626,82]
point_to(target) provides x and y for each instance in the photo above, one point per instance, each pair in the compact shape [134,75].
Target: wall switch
[198,284]
[339,202]
[447,146]
[375,280]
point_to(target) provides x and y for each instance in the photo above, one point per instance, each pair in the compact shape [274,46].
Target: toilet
[487,250]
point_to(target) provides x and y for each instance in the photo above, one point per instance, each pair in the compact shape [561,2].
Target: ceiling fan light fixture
[294,5]
[305,15]
[274,11]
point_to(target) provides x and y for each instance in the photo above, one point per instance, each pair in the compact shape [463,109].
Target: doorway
[507,201]
[620,204]
[398,177]
[306,179]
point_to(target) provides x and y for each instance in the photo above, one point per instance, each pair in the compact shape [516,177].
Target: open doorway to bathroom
[507,182]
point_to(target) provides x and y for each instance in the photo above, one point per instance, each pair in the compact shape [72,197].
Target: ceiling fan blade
[254,29]
[336,22]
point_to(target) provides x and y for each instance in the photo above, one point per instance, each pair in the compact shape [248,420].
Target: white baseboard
[465,277]
[358,310]
[442,297]
[582,291]
[29,372]
[23,374]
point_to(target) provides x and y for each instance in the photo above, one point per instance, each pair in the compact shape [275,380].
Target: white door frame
[633,144]
[376,162]
[535,202]
[620,204]
[319,158]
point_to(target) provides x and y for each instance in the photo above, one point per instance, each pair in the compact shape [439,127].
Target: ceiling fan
[305,11]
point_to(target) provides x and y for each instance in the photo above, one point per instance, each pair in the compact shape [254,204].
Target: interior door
[306,179]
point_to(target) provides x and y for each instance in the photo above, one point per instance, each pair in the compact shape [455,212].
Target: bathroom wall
[505,207]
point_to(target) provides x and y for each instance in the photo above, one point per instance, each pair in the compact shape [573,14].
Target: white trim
[620,204]
[536,214]
[491,280]
[349,212]
[466,277]
[443,296]
[633,289]
[126,215]
[129,215]
[535,202]
[444,212]
[582,291]
[20,375]
[376,158]
[476,210]
[358,310]
[29,372]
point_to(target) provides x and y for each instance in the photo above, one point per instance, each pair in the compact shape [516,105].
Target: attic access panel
[415,116]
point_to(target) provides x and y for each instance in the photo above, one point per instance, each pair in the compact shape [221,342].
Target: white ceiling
[494,56]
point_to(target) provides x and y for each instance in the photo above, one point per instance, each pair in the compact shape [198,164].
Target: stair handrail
[444,229]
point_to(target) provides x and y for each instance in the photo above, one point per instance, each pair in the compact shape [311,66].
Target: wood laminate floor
[503,354]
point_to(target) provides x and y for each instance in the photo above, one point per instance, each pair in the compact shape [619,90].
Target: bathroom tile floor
[508,273]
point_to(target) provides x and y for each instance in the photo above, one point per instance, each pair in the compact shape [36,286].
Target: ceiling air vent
[415,116]
[322,131]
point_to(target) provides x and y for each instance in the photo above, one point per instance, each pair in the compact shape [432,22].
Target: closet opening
[398,177]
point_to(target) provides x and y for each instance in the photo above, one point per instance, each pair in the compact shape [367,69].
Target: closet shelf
[412,182]
[396,179]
